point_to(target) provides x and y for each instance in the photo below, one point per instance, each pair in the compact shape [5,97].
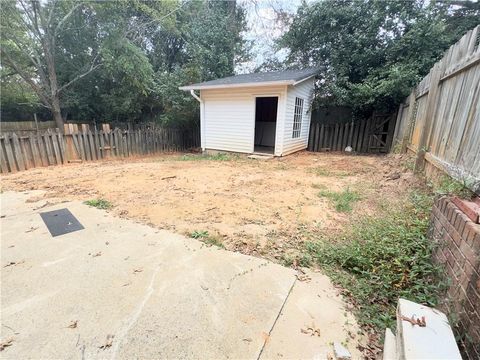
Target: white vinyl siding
[229,117]
[304,90]
[297,117]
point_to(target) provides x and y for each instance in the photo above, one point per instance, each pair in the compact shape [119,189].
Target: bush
[382,259]
[99,204]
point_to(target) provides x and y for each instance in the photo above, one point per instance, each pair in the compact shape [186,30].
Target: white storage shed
[256,113]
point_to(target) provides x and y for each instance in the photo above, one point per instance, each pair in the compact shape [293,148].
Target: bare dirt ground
[263,208]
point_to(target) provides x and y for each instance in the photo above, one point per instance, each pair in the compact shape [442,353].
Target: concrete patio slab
[119,289]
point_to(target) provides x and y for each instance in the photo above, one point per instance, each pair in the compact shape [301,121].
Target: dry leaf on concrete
[14,263]
[311,330]
[73,324]
[108,342]
[6,343]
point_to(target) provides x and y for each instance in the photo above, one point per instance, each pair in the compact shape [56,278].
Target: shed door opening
[265,124]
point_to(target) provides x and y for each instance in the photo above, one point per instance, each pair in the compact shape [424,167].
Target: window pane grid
[297,117]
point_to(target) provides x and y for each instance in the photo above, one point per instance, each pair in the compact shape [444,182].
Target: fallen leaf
[303,277]
[73,324]
[247,339]
[6,343]
[137,271]
[311,330]
[97,254]
[14,263]
[108,342]
[266,337]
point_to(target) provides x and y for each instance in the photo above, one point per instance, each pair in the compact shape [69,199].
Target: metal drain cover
[60,222]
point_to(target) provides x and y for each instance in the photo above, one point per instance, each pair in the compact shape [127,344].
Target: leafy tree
[120,60]
[372,52]
[29,35]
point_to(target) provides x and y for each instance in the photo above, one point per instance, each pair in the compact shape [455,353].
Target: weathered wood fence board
[23,152]
[373,135]
[440,120]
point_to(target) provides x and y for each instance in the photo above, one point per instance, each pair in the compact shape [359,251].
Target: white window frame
[297,118]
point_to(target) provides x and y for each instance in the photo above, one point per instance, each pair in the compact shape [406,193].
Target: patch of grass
[342,200]
[281,166]
[207,238]
[303,260]
[213,157]
[199,234]
[99,204]
[321,171]
[449,186]
[383,258]
[319,186]
[287,260]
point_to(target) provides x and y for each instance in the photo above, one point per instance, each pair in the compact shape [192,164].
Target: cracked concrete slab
[159,294]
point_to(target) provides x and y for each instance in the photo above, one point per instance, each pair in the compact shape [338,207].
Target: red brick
[450,258]
[449,211]
[469,232]
[464,219]
[455,215]
[469,306]
[456,237]
[441,217]
[443,203]
[476,244]
[440,257]
[468,253]
[460,219]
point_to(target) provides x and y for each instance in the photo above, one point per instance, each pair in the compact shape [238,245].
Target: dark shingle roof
[287,76]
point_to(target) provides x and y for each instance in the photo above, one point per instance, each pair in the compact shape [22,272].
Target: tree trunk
[57,114]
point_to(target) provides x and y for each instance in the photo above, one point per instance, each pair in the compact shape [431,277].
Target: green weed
[382,259]
[213,157]
[199,234]
[208,239]
[99,204]
[449,186]
[321,171]
[342,200]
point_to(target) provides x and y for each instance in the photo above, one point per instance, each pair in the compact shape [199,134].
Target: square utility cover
[60,222]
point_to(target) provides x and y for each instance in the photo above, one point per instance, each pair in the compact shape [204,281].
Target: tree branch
[43,97]
[80,76]
[65,18]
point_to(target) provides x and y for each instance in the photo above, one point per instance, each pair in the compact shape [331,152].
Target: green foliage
[213,157]
[342,200]
[322,171]
[449,186]
[207,238]
[143,51]
[199,234]
[99,204]
[373,52]
[383,258]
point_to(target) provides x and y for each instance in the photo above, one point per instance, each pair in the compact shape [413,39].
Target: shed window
[297,117]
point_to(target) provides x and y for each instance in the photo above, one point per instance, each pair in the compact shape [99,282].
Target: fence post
[429,114]
[411,119]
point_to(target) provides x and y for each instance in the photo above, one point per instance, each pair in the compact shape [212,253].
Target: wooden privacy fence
[440,120]
[22,152]
[373,135]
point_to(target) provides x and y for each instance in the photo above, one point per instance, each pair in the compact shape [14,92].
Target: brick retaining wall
[458,250]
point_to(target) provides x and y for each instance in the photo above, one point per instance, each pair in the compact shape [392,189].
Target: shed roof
[286,77]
